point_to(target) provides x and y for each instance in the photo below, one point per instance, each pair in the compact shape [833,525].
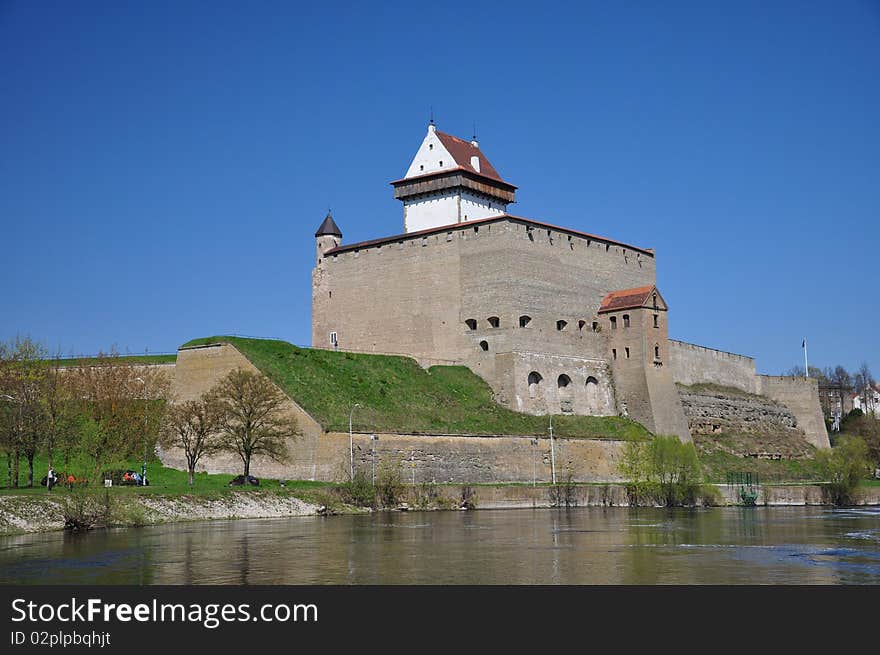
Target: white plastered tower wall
[432,156]
[447,204]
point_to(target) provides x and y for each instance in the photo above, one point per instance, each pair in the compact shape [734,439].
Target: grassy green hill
[122,359]
[397,395]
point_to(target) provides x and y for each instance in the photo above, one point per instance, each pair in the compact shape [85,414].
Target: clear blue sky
[164,165]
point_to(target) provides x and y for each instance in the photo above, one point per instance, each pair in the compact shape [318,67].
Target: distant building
[836,401]
[868,400]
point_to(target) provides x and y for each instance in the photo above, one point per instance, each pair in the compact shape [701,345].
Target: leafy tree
[844,466]
[21,380]
[253,419]
[119,405]
[866,427]
[664,467]
[193,427]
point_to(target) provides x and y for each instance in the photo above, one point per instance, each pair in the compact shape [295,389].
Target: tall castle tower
[450,181]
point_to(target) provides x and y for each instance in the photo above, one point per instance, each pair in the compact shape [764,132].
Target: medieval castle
[554,319]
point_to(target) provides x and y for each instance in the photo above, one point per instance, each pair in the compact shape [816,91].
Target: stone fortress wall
[507,297]
[319,455]
[692,364]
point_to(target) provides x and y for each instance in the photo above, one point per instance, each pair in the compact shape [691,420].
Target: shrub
[564,493]
[389,485]
[359,490]
[844,466]
[468,497]
[86,511]
[662,471]
[426,495]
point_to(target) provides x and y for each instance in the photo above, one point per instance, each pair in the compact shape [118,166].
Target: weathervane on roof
[431,122]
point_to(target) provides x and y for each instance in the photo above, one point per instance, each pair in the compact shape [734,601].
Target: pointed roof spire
[329,227]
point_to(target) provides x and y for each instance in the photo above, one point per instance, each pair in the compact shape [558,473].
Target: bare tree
[193,427]
[864,384]
[253,420]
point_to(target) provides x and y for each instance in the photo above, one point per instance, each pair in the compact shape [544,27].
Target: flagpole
[806,366]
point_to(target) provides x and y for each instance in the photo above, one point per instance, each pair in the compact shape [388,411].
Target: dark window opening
[655,300]
[524,321]
[560,325]
[534,380]
[626,320]
[494,321]
[656,352]
[656,319]
[614,353]
[563,381]
[581,325]
[613,320]
[595,326]
[484,345]
[471,323]
[627,352]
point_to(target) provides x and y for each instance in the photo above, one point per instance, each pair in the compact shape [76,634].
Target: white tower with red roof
[450,181]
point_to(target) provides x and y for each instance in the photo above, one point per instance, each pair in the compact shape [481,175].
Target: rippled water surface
[799,545]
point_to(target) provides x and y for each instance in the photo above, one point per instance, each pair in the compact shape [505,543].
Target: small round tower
[328,236]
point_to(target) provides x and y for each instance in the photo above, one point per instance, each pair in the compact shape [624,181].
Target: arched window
[613,320]
[484,345]
[494,321]
[471,323]
[654,299]
[592,395]
[656,351]
[560,325]
[626,320]
[534,382]
[581,325]
[563,381]
[524,320]
[595,326]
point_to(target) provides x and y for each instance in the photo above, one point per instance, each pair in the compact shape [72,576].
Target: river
[734,545]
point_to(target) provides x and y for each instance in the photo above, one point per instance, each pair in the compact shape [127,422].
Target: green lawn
[397,395]
[163,480]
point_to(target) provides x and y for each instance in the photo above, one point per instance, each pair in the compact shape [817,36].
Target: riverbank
[20,514]
[45,512]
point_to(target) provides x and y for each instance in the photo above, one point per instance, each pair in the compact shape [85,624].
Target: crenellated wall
[692,364]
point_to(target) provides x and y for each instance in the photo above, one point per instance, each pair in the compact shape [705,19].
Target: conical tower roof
[329,226]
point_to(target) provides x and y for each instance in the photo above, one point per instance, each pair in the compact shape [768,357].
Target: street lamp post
[144,467]
[351,443]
